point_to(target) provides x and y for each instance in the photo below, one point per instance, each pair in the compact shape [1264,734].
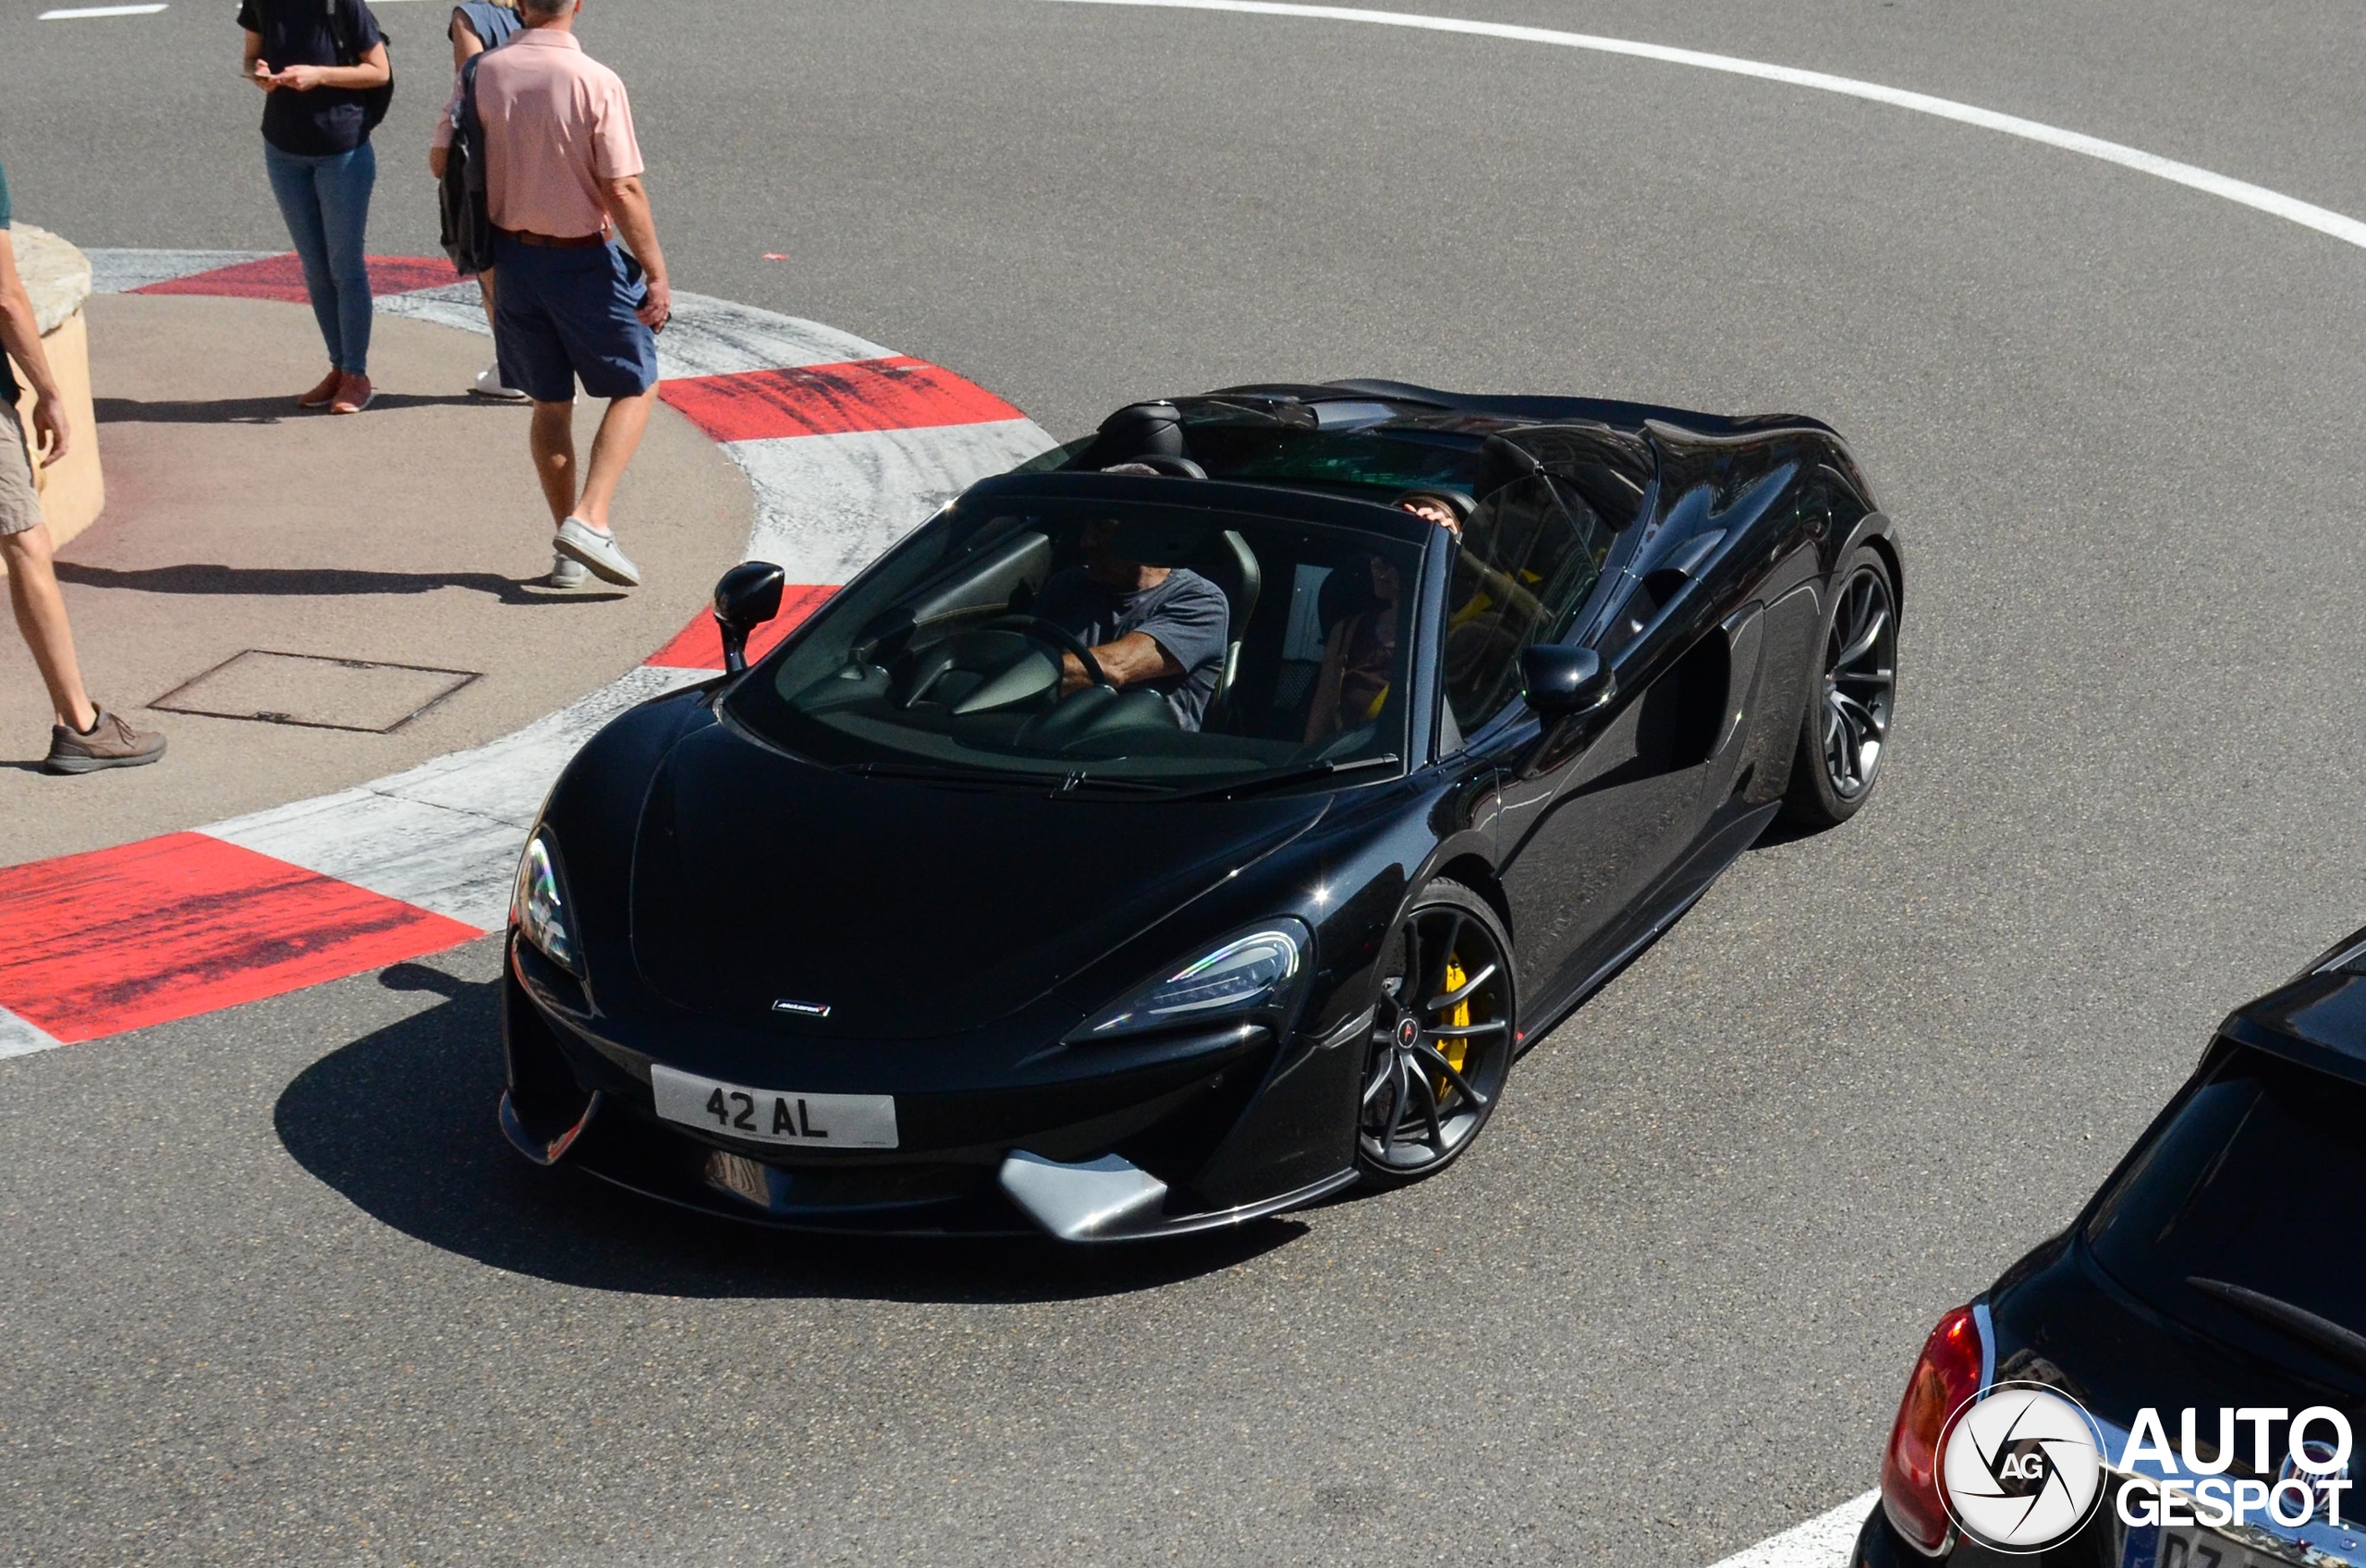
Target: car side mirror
[747,596]
[1561,678]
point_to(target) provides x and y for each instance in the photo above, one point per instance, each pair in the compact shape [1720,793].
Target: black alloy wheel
[1442,1037]
[1846,731]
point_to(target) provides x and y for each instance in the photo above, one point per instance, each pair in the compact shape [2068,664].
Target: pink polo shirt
[557,122]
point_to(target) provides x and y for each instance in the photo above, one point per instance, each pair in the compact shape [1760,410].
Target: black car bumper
[1106,1159]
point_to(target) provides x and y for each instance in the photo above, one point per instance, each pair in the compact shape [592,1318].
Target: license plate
[771,1116]
[2192,1546]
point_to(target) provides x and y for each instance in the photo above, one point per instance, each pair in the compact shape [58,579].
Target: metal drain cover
[314,692]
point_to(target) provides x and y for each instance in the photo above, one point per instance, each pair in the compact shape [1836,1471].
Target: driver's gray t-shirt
[1186,615]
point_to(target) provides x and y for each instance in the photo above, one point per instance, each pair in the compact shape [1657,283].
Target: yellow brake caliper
[1454,1048]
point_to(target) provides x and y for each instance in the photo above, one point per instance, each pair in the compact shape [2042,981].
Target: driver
[1155,628]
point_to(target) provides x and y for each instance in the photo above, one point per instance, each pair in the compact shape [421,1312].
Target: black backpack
[376,101]
[467,224]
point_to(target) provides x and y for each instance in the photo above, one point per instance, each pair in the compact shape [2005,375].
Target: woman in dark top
[316,146]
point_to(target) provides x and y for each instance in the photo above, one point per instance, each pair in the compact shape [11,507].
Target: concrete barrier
[57,276]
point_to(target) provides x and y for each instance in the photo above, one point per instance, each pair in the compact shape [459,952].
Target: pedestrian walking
[322,68]
[87,738]
[563,186]
[475,27]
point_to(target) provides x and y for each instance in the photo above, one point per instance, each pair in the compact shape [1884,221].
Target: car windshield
[1107,642]
[2259,1184]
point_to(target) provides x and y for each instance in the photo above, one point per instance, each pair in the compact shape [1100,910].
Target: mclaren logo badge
[803,1009]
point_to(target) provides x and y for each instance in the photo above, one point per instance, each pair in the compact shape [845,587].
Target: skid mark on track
[863,394]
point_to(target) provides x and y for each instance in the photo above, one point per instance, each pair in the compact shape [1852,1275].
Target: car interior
[950,664]
[957,667]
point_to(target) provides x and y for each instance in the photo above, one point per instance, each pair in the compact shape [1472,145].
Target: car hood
[911,910]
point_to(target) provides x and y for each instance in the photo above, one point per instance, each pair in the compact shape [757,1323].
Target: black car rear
[2222,1267]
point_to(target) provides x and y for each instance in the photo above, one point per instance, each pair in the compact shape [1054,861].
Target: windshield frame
[1281,505]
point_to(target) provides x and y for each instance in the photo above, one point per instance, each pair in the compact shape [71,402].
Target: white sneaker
[598,551]
[567,572]
[489,384]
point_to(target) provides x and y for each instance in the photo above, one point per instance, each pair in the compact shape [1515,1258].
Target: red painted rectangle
[699,646]
[862,395]
[282,277]
[171,926]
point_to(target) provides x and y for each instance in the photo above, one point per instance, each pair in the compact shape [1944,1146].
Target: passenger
[1359,610]
[1151,629]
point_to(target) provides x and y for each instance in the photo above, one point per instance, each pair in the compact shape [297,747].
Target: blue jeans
[326,203]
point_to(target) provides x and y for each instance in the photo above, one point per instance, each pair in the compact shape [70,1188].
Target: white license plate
[771,1116]
[2191,1545]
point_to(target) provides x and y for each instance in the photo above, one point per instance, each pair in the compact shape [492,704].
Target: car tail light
[1947,1374]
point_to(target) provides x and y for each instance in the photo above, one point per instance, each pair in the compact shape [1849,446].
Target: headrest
[1134,432]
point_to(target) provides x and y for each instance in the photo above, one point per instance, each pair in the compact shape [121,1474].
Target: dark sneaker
[111,744]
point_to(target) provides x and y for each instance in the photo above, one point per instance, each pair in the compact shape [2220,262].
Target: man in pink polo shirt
[562,184]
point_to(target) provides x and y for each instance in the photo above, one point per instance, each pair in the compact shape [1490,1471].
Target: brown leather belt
[552,241]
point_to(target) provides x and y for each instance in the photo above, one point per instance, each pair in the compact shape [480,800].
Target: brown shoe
[111,744]
[323,394]
[353,394]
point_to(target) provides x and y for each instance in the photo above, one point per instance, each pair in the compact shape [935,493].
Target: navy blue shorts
[562,314]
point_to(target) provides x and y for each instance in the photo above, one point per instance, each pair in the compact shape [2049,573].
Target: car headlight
[539,909]
[1239,975]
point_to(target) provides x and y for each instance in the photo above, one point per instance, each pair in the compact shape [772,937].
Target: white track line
[2275,204]
[84,12]
[1820,1543]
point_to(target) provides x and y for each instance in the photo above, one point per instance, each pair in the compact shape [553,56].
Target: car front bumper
[1099,1162]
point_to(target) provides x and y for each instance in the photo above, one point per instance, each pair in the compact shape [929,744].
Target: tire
[1851,704]
[1434,1076]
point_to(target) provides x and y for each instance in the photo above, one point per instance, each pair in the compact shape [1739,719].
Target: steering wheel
[1058,636]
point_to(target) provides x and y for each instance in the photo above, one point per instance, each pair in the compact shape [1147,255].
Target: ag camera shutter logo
[2022,1467]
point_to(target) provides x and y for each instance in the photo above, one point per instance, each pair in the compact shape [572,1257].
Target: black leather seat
[1227,561]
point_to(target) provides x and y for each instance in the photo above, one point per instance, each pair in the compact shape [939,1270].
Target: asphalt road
[274,1291]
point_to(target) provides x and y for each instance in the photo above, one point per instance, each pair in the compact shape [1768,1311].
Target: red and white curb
[846,444]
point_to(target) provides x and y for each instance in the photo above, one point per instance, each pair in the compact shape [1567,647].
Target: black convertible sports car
[1132,853]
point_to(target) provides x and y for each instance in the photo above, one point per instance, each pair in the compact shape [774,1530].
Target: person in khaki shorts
[87,738]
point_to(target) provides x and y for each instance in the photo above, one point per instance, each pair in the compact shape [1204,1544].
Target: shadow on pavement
[401,1123]
[314,582]
[257,410]
[1780,832]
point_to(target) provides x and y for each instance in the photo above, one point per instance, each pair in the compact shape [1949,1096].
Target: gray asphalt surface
[276,1293]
